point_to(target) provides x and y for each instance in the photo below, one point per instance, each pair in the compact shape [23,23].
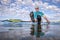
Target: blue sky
[20,9]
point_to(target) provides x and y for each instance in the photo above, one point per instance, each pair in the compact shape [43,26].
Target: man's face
[37,9]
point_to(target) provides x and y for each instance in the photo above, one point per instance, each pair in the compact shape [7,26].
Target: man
[36,16]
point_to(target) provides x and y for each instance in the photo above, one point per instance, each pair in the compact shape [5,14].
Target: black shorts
[38,18]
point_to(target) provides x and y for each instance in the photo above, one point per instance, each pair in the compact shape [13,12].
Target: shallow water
[23,32]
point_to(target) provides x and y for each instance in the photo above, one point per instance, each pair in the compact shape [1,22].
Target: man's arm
[46,19]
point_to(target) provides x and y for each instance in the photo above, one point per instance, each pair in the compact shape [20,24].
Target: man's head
[37,8]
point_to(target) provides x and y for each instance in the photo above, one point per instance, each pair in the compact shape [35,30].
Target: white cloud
[50,7]
[24,2]
[15,12]
[12,5]
[5,1]
[55,9]
[19,1]
[57,15]
[46,6]
[55,1]
[47,0]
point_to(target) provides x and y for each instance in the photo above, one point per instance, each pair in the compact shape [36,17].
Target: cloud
[57,15]
[5,2]
[56,11]
[46,6]
[52,10]
[55,1]
[24,2]
[15,10]
[49,7]
[19,1]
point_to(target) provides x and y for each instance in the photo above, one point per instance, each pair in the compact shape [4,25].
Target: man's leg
[39,19]
[32,17]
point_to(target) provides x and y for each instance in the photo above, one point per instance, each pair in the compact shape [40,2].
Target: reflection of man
[37,32]
[37,13]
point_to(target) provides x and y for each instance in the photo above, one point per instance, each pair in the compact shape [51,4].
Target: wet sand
[23,33]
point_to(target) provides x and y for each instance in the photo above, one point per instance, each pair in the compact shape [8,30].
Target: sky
[20,9]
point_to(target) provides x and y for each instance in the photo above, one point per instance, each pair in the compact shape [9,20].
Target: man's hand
[46,19]
[48,22]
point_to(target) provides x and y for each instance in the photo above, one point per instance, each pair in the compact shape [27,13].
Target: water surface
[22,31]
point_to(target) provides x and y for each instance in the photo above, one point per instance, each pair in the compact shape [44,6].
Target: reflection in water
[47,28]
[37,30]
[32,30]
[23,33]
